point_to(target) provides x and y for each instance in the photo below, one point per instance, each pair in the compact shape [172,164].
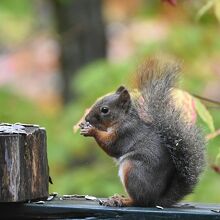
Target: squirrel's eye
[104,110]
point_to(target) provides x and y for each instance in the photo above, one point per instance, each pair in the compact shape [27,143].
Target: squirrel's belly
[120,174]
[124,170]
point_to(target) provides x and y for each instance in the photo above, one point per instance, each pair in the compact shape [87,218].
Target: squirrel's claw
[84,132]
[82,124]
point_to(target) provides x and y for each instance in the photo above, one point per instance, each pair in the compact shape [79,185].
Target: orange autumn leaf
[186,103]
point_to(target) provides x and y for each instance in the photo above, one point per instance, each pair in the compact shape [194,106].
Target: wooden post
[23,163]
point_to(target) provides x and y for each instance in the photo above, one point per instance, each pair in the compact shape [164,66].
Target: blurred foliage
[210,4]
[77,165]
[15,18]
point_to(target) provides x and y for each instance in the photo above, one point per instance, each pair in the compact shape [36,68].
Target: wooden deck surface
[80,208]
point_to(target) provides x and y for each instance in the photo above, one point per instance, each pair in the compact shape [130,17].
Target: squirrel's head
[110,110]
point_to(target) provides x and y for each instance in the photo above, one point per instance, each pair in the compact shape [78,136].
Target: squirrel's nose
[90,119]
[87,118]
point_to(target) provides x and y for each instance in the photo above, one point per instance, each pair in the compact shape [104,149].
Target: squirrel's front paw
[86,129]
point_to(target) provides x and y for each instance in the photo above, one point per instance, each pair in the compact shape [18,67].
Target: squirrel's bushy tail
[183,139]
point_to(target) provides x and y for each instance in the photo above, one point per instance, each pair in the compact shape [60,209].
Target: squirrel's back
[183,140]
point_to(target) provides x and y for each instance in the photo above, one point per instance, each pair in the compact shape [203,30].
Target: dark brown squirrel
[160,155]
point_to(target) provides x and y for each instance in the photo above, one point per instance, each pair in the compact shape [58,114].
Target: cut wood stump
[24,170]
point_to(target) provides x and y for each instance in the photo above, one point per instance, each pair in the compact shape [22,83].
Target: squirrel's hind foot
[117,201]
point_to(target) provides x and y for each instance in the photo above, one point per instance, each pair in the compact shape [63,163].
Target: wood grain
[23,163]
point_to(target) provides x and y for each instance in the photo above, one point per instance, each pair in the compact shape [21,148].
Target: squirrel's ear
[124,98]
[120,89]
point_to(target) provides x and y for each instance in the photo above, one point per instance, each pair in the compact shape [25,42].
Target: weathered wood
[23,163]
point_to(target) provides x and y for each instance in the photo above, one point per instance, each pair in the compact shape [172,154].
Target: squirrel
[160,155]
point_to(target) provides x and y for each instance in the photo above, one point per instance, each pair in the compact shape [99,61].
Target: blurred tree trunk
[82,37]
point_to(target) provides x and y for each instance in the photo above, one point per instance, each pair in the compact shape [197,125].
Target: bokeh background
[58,56]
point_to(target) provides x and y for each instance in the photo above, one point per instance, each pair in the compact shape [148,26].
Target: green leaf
[205,8]
[204,114]
[217,9]
[217,157]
